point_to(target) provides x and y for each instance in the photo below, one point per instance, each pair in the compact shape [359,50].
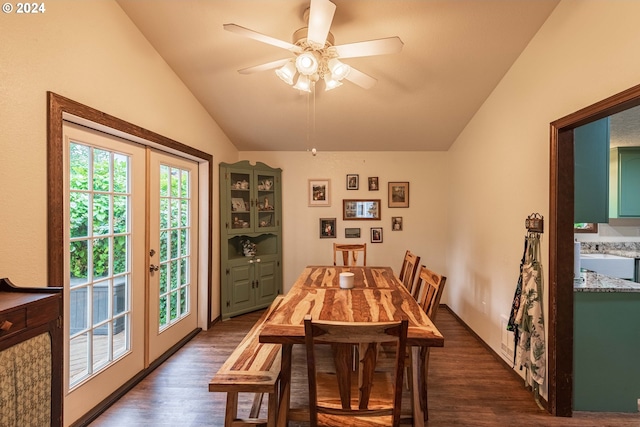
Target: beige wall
[468,206]
[500,163]
[425,220]
[92,53]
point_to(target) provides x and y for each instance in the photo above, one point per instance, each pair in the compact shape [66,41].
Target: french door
[173,248]
[131,266]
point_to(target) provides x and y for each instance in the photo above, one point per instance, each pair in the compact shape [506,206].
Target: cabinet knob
[250,261]
[6,325]
[258,260]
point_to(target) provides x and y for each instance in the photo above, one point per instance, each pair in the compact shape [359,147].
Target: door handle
[153,268]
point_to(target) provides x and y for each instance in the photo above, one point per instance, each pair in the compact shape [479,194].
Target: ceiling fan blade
[261,37]
[264,67]
[370,48]
[361,79]
[320,17]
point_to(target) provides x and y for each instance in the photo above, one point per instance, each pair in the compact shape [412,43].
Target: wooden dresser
[31,356]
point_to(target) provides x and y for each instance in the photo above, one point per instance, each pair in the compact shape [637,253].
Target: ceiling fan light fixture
[339,70]
[303,84]
[287,72]
[307,63]
[331,83]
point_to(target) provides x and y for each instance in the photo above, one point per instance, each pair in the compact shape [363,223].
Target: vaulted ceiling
[455,52]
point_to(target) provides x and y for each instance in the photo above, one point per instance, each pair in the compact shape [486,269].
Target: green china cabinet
[250,237]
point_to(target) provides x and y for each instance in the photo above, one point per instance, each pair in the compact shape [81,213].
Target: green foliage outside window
[106,175]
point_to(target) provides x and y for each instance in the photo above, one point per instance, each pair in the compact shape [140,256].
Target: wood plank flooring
[467,386]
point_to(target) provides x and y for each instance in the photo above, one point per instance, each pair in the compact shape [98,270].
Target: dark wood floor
[467,386]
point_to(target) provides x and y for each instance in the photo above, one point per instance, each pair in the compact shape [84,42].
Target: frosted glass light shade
[307,63]
[287,72]
[331,83]
[338,69]
[303,84]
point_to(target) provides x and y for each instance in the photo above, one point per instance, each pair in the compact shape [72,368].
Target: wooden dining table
[377,296]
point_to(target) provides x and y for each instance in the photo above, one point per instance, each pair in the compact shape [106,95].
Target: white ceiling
[455,52]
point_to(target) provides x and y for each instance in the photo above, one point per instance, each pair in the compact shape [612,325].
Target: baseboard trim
[499,358]
[91,416]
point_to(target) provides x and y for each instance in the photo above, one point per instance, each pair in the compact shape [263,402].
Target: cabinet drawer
[18,320]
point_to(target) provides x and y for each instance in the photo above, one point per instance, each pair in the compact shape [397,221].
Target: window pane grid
[174,245]
[100,243]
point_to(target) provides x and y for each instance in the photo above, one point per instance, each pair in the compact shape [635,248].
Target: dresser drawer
[13,321]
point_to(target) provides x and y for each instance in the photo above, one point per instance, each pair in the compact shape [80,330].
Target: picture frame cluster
[319,193]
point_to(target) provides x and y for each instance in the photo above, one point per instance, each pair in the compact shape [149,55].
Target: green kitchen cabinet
[250,237]
[591,172]
[628,181]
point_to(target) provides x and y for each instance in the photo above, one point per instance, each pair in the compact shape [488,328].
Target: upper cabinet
[591,168]
[252,198]
[625,176]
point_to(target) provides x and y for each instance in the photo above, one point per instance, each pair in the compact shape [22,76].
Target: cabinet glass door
[240,199]
[267,216]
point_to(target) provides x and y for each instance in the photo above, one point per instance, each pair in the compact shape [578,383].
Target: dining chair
[350,253]
[343,397]
[408,271]
[429,288]
[429,291]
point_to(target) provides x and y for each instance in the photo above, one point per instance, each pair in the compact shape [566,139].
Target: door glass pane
[175,213]
[99,259]
[101,170]
[120,209]
[120,250]
[79,218]
[79,167]
[78,261]
[101,214]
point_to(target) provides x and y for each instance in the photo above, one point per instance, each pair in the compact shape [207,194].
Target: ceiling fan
[316,57]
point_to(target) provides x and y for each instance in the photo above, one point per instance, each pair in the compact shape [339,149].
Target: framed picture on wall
[376,234]
[352,181]
[327,228]
[398,194]
[396,223]
[351,233]
[373,183]
[319,192]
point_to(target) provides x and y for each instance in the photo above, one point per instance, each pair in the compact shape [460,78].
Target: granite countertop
[624,253]
[590,281]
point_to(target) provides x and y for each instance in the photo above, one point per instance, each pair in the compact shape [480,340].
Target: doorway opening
[561,213]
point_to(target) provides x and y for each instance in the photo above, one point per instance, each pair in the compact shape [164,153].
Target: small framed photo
[376,234]
[319,192]
[351,233]
[353,181]
[238,205]
[327,228]
[373,183]
[398,194]
[396,223]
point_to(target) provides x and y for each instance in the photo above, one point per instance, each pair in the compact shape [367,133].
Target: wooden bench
[253,367]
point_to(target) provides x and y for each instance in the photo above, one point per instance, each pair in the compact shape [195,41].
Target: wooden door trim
[57,106]
[560,352]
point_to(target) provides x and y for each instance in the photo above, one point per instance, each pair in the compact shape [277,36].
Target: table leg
[285,386]
[419,385]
